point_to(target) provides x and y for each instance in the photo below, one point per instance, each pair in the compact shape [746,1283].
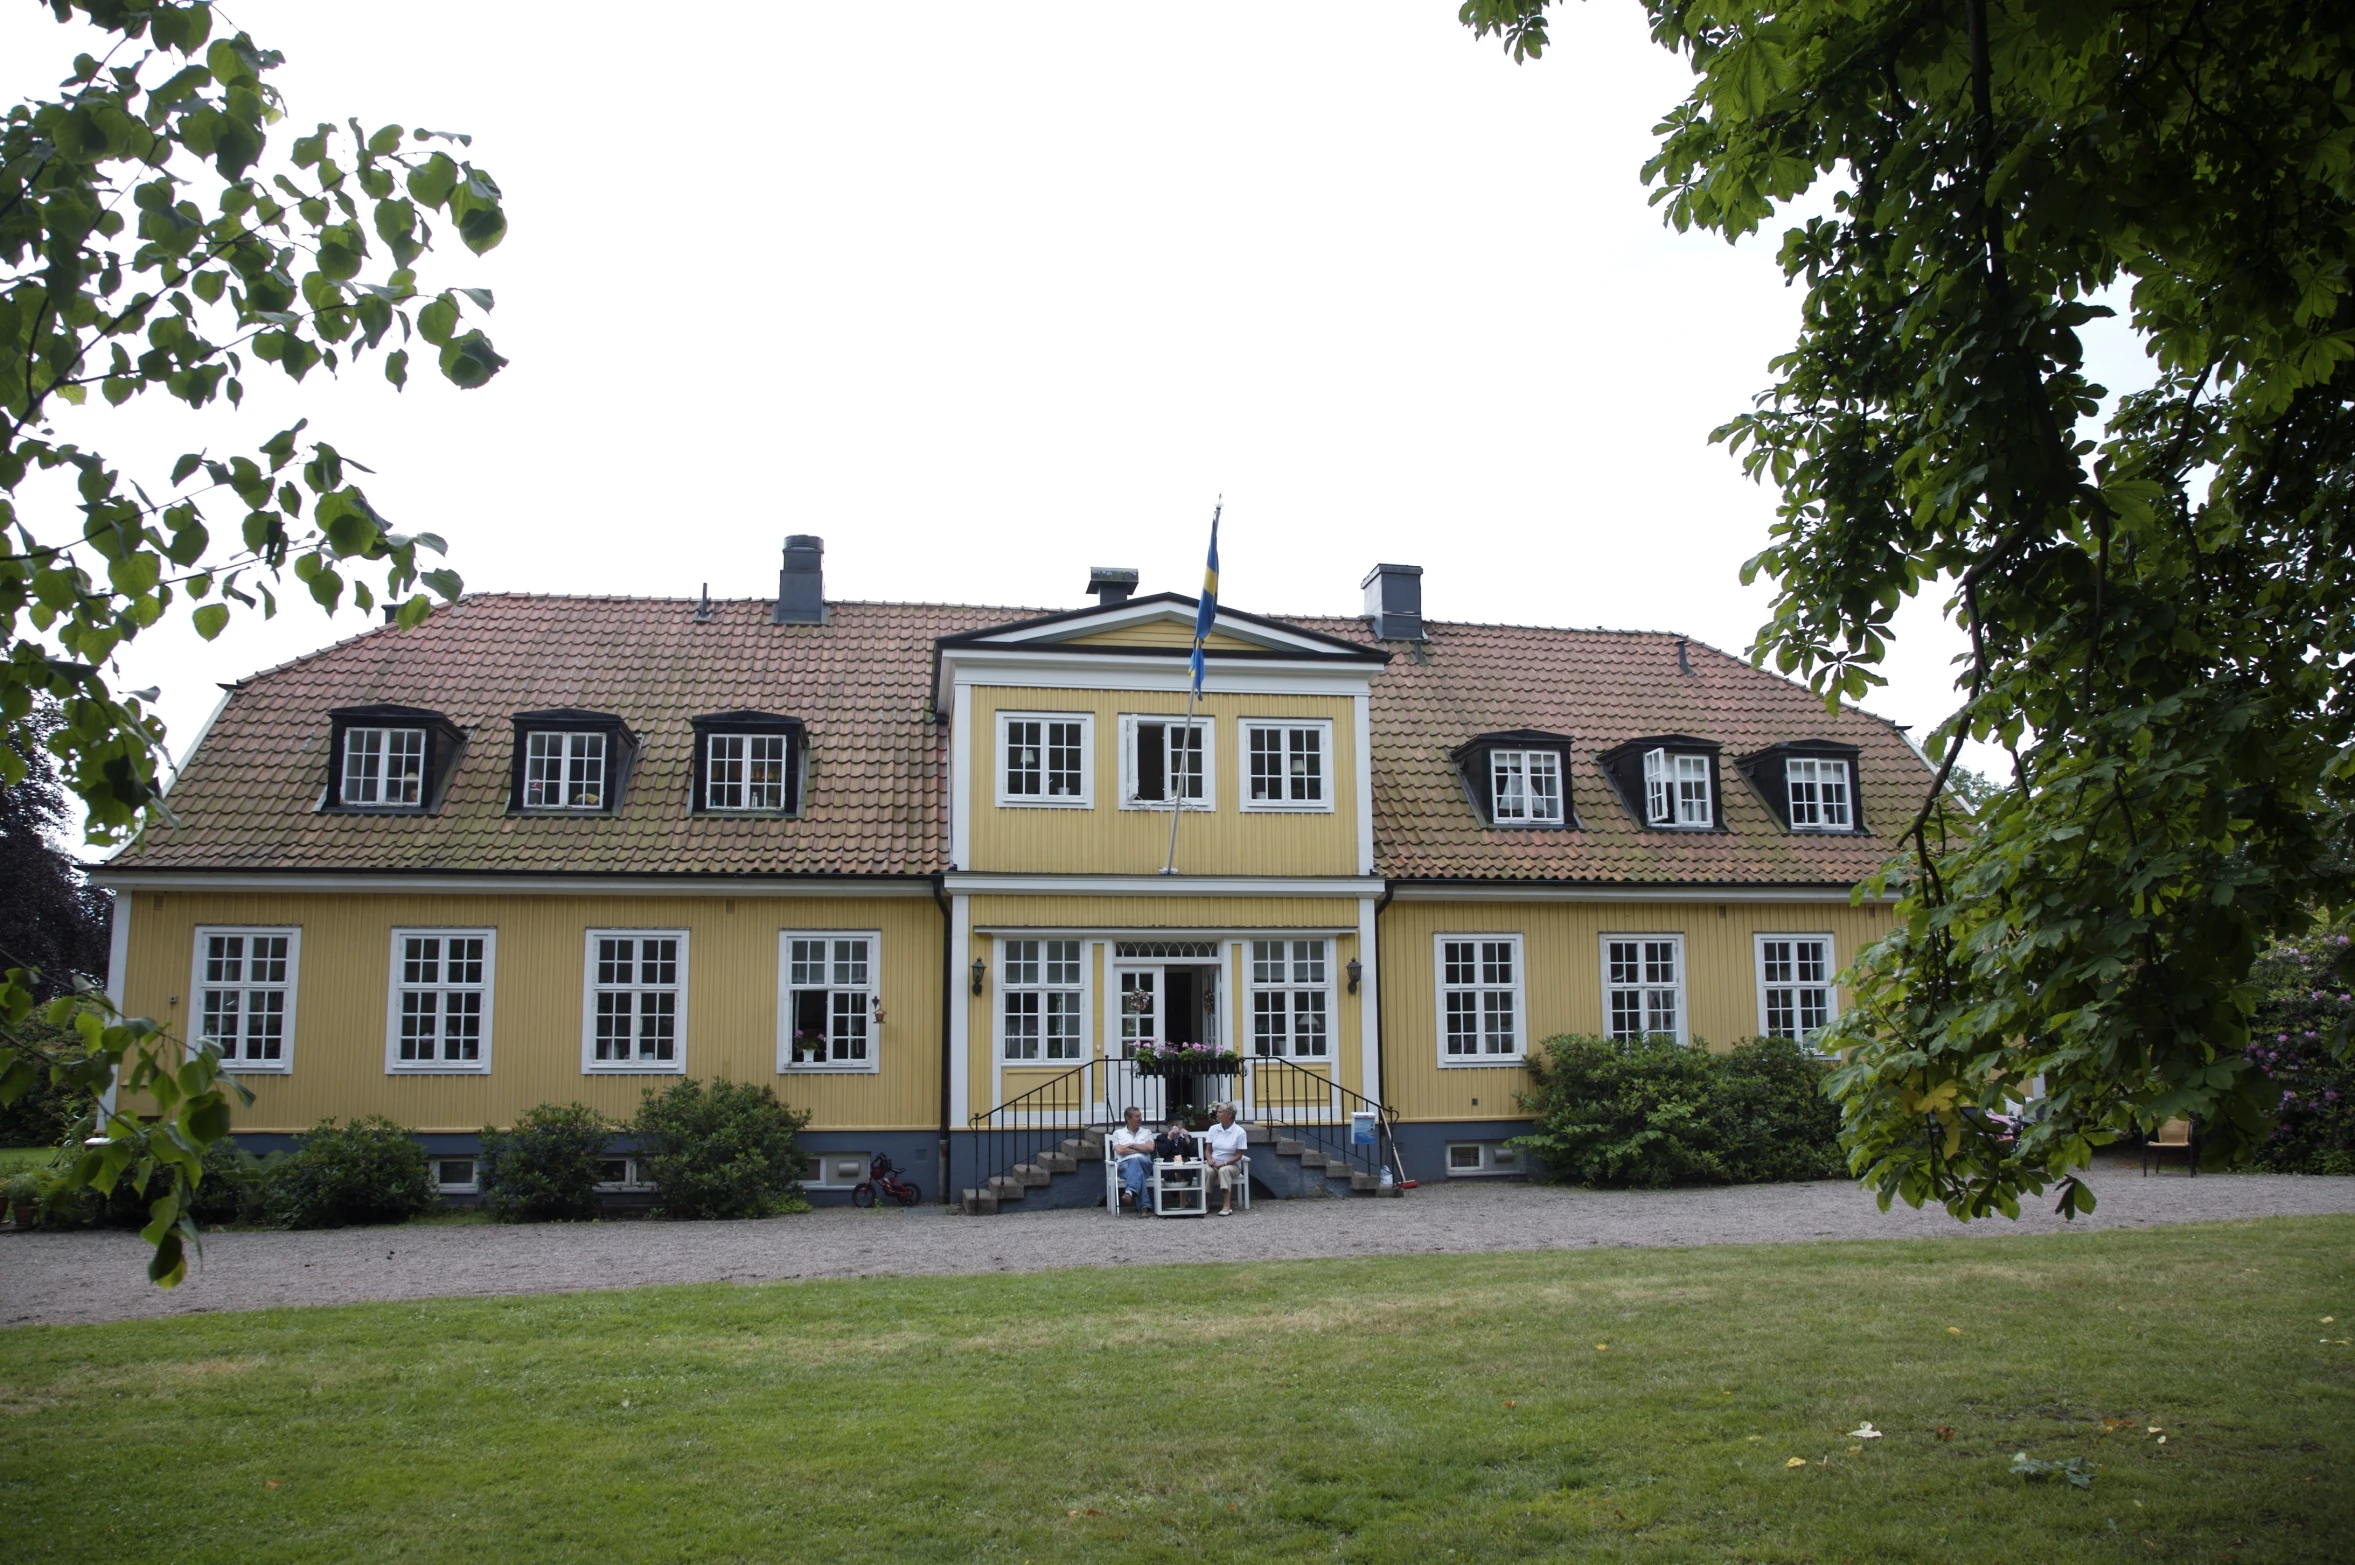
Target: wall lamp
[980,972]
[1356,971]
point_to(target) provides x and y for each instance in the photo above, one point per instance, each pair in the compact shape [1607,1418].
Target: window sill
[1259,807]
[1483,1062]
[258,1068]
[611,1068]
[1046,804]
[1554,826]
[1161,806]
[866,1068]
[406,1068]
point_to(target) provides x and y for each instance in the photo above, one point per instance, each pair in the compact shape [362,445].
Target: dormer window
[1526,786]
[1519,778]
[748,763]
[570,762]
[1819,794]
[1669,782]
[1676,789]
[1809,784]
[388,760]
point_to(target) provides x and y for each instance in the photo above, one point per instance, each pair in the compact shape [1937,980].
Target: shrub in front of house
[345,1176]
[233,1190]
[719,1149]
[545,1169]
[2305,1009]
[1649,1114]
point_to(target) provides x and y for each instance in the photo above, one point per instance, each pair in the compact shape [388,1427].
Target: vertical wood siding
[1108,840]
[1563,980]
[731,1023]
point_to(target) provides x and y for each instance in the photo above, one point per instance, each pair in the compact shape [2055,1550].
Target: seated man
[1131,1147]
[1223,1146]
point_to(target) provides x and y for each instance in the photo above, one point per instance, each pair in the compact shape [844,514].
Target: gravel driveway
[76,1277]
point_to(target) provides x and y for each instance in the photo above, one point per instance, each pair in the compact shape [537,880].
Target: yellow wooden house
[964,882]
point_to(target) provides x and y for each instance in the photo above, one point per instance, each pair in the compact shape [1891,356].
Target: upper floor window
[388,758]
[1677,790]
[1289,765]
[1164,759]
[1041,997]
[571,762]
[832,994]
[747,763]
[1290,991]
[1043,759]
[564,772]
[1818,793]
[244,990]
[1526,787]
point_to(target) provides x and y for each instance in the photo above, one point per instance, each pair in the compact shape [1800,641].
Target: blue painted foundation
[1423,1147]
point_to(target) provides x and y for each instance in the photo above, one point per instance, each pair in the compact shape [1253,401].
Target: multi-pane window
[384,767]
[1794,985]
[1044,760]
[831,1001]
[1290,999]
[1168,760]
[1479,998]
[1819,794]
[441,1000]
[1287,765]
[1039,991]
[245,995]
[1525,787]
[564,771]
[744,772]
[1676,789]
[1643,986]
[637,997]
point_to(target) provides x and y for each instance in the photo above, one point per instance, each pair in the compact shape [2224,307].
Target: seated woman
[1223,1147]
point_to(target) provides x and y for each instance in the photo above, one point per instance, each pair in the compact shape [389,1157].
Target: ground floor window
[244,992]
[1794,985]
[635,1018]
[1643,986]
[829,1001]
[440,1001]
[1290,999]
[1040,1000]
[1480,1004]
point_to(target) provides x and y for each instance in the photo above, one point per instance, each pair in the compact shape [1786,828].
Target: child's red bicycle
[883,1179]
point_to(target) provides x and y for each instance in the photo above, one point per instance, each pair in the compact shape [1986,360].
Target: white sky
[988,294]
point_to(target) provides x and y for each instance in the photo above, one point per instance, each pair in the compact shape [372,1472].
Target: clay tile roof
[1602,688]
[876,801]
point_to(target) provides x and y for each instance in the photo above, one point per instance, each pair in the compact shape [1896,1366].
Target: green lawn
[1415,1409]
[14,1158]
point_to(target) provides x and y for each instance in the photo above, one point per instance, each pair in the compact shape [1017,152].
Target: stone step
[1388,1191]
[1006,1187]
[1084,1151]
[1310,1159]
[1058,1162]
[1360,1180]
[1286,1148]
[1031,1174]
[980,1203]
[1260,1135]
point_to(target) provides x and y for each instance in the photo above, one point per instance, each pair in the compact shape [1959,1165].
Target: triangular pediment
[1164,623]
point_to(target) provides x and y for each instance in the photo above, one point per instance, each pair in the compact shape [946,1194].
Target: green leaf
[437,323]
[471,361]
[396,367]
[210,620]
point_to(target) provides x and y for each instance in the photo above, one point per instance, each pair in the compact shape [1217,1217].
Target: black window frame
[621,758]
[1768,774]
[444,743]
[1478,776]
[749,723]
[1623,764]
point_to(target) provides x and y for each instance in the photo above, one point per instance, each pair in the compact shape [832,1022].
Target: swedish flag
[1207,613]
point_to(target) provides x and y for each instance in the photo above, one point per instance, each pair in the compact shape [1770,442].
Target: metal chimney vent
[1394,602]
[801,585]
[1111,584]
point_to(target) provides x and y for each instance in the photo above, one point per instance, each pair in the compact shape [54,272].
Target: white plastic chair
[1112,1186]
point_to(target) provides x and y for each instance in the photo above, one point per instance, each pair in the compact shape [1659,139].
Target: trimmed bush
[545,1169]
[2305,1009]
[1648,1115]
[345,1176]
[719,1149]
[234,1190]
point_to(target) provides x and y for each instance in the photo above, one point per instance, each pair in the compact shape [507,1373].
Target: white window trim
[1684,1010]
[394,1065]
[384,733]
[1129,722]
[1667,779]
[1087,1004]
[1087,762]
[1561,788]
[1248,1044]
[1848,785]
[757,811]
[633,1174]
[608,766]
[1831,974]
[590,1064]
[467,1187]
[284,1064]
[1496,1160]
[1246,728]
[825,1162]
[873,1064]
[1520,986]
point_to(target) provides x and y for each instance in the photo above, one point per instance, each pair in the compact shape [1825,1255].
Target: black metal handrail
[1040,1120]
[1306,1106]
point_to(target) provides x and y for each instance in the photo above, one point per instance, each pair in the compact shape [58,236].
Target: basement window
[1476,1159]
[835,1170]
[623,1174]
[455,1176]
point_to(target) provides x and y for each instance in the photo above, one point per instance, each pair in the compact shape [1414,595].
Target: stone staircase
[1073,1175]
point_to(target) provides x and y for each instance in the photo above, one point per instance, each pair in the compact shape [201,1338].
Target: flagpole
[1200,663]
